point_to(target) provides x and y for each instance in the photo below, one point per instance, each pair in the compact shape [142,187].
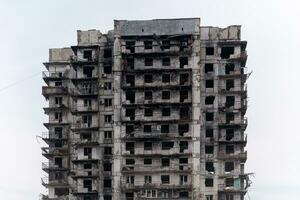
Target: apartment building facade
[154,109]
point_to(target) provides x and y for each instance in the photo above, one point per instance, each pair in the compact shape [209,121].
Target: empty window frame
[107,183]
[209,51]
[166,44]
[88,55]
[209,116]
[107,197]
[209,132]
[147,179]
[229,166]
[87,151]
[166,112]
[107,102]
[166,78]
[148,78]
[130,79]
[226,52]
[165,95]
[184,194]
[87,184]
[209,197]
[183,160]
[183,61]
[165,162]
[209,67]
[130,161]
[209,166]
[148,95]
[147,128]
[147,146]
[209,100]
[229,84]
[209,149]
[148,112]
[229,67]
[148,62]
[147,161]
[107,167]
[130,96]
[129,63]
[167,145]
[183,95]
[129,129]
[183,79]
[229,134]
[148,44]
[107,134]
[229,149]
[107,150]
[107,69]
[209,182]
[107,53]
[165,128]
[107,118]
[209,83]
[165,179]
[229,182]
[130,45]
[166,61]
[184,113]
[107,86]
[183,128]
[229,117]
[58,101]
[230,100]
[130,112]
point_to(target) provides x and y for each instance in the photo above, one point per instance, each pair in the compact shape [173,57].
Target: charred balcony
[142,169]
[54,76]
[54,90]
[55,151]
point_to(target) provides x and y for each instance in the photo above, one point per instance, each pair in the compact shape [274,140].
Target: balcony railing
[242,156]
[53,136]
[53,90]
[157,168]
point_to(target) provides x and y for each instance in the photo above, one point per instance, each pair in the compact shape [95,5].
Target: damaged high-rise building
[154,109]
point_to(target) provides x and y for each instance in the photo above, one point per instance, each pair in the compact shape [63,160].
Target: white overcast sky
[271,27]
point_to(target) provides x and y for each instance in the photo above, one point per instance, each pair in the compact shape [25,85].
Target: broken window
[87,166]
[129,129]
[209,197]
[209,67]
[183,61]
[209,149]
[165,179]
[183,78]
[229,148]
[107,53]
[87,54]
[184,113]
[148,78]
[166,112]
[209,100]
[229,84]
[183,179]
[167,145]
[209,116]
[130,63]
[229,117]
[209,166]
[58,116]
[107,118]
[229,182]
[107,151]
[130,96]
[58,161]
[226,52]
[210,51]
[147,179]
[107,183]
[229,197]
[148,61]
[129,146]
[147,161]
[130,161]
[107,86]
[148,95]
[229,134]
[130,112]
[130,46]
[165,128]
[209,83]
[183,160]
[87,151]
[87,120]
[148,44]
[87,184]
[107,197]
[166,78]
[147,145]
[229,166]
[58,101]
[183,43]
[229,101]
[86,136]
[184,194]
[183,145]
[107,102]
[229,67]
[183,95]
[148,112]
[209,132]
[165,162]
[87,102]
[166,61]
[147,128]
[58,132]
[165,95]
[107,134]
[58,144]
[183,128]
[61,191]
[107,167]
[209,182]
[129,196]
[130,79]
[166,44]
[58,83]
[107,69]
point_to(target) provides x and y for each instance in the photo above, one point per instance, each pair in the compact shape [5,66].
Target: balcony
[86,142]
[52,136]
[54,76]
[85,174]
[85,92]
[222,188]
[173,168]
[154,185]
[155,152]
[84,126]
[55,107]
[54,90]
[140,135]
[241,156]
[57,182]
[54,151]
[243,123]
[241,140]
[48,166]
[75,60]
[84,109]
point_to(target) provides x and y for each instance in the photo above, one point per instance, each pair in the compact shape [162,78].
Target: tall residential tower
[154,109]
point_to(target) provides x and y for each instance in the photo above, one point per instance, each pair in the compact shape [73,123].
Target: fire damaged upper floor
[154,109]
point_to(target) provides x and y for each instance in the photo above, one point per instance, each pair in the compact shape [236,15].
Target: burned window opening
[210,51]
[209,67]
[130,79]
[229,134]
[183,128]
[184,94]
[229,84]
[229,149]
[148,112]
[148,146]
[88,55]
[165,95]
[107,53]
[166,78]
[88,72]
[183,78]
[229,67]
[209,149]
[129,129]
[209,100]
[209,182]
[167,145]
[165,179]
[229,117]
[130,96]
[148,44]
[226,52]
[130,63]
[148,95]
[165,128]
[184,113]
[165,162]
[166,112]
[229,166]
[148,62]
[130,45]
[209,116]
[148,78]
[166,44]
[229,182]
[209,166]
[229,101]
[183,61]
[209,83]
[209,133]
[107,167]
[107,69]
[107,183]
[166,61]
[147,128]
